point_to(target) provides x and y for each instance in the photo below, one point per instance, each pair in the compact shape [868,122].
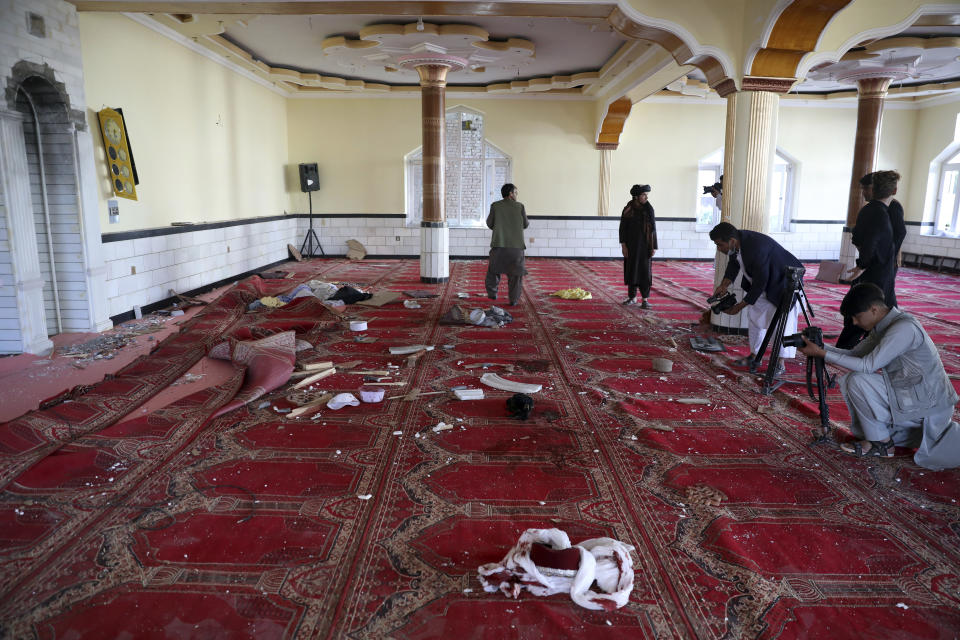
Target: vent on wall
[36,26]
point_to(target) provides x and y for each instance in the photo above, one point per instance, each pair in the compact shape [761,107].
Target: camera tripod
[793,294]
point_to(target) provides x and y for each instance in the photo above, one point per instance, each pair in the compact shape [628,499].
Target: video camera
[813,334]
[722,302]
[710,188]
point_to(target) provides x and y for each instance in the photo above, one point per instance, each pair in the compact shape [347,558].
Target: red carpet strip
[182,523]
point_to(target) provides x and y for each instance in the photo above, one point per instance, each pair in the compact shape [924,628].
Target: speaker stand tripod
[311,242]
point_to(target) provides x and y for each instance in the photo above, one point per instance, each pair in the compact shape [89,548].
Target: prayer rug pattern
[367,523]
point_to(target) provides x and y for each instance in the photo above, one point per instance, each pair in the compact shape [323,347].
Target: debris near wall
[106,346]
[355,250]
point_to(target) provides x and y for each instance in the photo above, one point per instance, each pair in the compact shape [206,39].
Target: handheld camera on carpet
[721,302]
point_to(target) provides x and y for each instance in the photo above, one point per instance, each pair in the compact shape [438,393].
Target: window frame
[945,168]
[491,155]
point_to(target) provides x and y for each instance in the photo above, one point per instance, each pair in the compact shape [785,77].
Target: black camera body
[813,334]
[720,303]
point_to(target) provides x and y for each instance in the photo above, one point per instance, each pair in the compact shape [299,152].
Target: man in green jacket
[508,219]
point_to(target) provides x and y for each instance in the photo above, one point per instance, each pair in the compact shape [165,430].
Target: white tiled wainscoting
[563,237]
[142,271]
[143,266]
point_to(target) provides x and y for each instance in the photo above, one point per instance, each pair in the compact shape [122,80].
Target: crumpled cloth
[266,301]
[350,295]
[604,560]
[573,294]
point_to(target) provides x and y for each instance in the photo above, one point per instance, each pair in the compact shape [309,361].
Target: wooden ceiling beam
[795,33]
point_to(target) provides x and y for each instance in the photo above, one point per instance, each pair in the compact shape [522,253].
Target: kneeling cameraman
[910,401]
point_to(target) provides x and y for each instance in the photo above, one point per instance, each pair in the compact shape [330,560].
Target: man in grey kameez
[897,390]
[508,219]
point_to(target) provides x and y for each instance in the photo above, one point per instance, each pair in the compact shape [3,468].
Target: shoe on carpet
[645,304]
[780,370]
[745,361]
[629,301]
[877,449]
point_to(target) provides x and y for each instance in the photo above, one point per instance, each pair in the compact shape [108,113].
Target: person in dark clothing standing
[894,211]
[507,219]
[873,237]
[638,243]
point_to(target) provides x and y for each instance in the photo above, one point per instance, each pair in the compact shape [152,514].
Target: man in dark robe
[873,237]
[507,219]
[638,243]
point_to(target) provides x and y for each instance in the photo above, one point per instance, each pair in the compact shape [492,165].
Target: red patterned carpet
[186,524]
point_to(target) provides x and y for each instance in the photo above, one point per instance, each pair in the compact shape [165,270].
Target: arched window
[709,170]
[782,191]
[475,170]
[948,197]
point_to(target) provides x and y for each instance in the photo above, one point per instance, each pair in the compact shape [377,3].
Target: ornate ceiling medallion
[394,47]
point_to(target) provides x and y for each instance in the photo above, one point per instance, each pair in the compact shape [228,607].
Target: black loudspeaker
[309,177]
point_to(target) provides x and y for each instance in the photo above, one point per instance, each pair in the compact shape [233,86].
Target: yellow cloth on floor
[573,294]
[270,301]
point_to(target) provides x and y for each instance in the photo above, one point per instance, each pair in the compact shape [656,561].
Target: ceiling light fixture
[420,24]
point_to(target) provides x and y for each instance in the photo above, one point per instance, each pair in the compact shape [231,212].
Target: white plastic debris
[401,351]
[341,400]
[442,426]
[495,381]
[468,394]
[364,496]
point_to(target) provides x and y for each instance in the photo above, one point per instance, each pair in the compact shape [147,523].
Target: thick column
[22,242]
[434,233]
[749,150]
[871,94]
[603,205]
[95,268]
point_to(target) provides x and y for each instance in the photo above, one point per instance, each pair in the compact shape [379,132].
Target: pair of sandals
[632,301]
[876,450]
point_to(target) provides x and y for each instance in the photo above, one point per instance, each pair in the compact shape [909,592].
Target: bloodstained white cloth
[544,563]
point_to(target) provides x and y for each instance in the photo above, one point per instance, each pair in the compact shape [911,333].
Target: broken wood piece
[349,365]
[413,348]
[385,384]
[693,400]
[319,376]
[311,406]
[371,372]
[412,358]
[495,381]
[317,366]
[414,394]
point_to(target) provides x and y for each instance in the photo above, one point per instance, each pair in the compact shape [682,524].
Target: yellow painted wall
[822,140]
[936,128]
[660,146]
[359,145]
[209,144]
[662,143]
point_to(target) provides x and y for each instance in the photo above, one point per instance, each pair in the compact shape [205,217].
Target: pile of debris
[106,346]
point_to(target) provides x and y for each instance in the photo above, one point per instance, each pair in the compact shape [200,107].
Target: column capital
[725,88]
[873,86]
[433,67]
[771,85]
